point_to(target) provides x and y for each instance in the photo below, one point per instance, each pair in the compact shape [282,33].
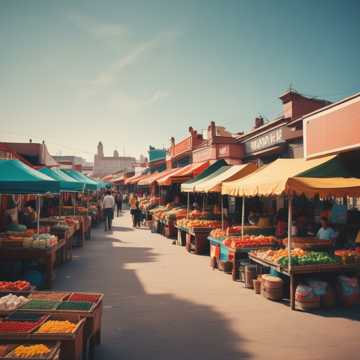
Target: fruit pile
[233,230]
[35,304]
[30,351]
[198,223]
[218,233]
[57,326]
[93,298]
[48,295]
[19,285]
[12,302]
[248,241]
[349,256]
[75,305]
[17,326]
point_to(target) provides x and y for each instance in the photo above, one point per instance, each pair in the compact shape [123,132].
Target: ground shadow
[122,228]
[139,325]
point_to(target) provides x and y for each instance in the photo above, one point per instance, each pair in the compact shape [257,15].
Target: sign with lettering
[264,141]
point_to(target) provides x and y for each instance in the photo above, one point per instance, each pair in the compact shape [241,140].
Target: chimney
[259,121]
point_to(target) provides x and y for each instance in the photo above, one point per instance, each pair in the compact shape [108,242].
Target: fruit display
[93,298]
[30,351]
[49,295]
[349,256]
[7,326]
[42,241]
[248,241]
[236,229]
[57,327]
[218,233]
[19,285]
[28,240]
[40,305]
[298,257]
[75,305]
[188,223]
[12,302]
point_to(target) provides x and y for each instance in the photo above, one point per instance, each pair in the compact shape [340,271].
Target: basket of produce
[11,302]
[19,287]
[34,351]
[40,305]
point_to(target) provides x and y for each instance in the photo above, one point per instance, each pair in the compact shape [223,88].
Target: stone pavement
[163,303]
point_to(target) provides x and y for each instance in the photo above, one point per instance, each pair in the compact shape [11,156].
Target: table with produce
[169,218]
[74,319]
[26,244]
[30,350]
[306,262]
[197,232]
[228,247]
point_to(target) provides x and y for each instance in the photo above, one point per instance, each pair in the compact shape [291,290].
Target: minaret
[100,150]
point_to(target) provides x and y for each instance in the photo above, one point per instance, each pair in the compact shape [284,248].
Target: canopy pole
[60,203]
[242,217]
[188,201]
[289,229]
[203,202]
[38,215]
[222,213]
[74,204]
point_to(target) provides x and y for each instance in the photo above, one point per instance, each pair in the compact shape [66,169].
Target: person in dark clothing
[119,201]
[137,215]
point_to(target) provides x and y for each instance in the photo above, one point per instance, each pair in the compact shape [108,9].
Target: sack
[349,290]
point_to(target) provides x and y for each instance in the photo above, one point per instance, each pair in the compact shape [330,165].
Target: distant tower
[116,154]
[100,150]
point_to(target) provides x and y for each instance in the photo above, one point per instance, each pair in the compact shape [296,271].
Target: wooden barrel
[250,275]
[272,287]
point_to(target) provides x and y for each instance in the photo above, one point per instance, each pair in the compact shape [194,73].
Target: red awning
[134,179]
[183,174]
[154,177]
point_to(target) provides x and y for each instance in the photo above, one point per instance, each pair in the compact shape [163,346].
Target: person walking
[133,201]
[119,201]
[108,209]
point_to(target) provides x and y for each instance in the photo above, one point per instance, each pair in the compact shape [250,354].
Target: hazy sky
[134,73]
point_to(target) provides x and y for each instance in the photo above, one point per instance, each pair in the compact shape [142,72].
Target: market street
[161,302]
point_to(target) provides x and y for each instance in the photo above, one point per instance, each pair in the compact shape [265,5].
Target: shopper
[108,209]
[137,215]
[133,201]
[119,201]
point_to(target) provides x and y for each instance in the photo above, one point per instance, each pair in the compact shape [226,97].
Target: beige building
[107,165]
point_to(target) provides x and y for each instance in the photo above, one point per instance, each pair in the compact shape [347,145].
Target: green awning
[67,183]
[18,178]
[88,184]
[210,171]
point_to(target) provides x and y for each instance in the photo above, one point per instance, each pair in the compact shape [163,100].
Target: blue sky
[135,73]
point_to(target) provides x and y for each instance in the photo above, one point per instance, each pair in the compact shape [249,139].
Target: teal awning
[66,182]
[87,182]
[18,178]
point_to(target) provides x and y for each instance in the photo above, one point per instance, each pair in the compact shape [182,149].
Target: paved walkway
[163,303]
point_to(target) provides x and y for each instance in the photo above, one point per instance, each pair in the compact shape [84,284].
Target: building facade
[107,165]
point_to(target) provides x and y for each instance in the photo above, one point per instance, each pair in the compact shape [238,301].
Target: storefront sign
[264,141]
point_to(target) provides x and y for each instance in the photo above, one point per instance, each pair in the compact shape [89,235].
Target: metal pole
[289,229]
[38,215]
[74,198]
[242,217]
[222,213]
[188,201]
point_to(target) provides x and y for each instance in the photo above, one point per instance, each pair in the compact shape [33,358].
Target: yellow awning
[271,179]
[233,173]
[337,187]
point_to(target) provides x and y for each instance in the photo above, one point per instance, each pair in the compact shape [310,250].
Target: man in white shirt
[108,209]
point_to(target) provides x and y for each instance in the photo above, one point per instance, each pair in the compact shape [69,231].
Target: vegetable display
[75,305]
[40,305]
[57,326]
[12,302]
[84,297]
[198,223]
[298,257]
[30,351]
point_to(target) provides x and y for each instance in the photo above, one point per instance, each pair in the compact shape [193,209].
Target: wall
[108,166]
[333,130]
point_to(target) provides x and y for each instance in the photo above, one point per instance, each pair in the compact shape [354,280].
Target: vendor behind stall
[326,232]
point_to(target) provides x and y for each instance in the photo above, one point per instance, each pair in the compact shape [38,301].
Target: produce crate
[54,353]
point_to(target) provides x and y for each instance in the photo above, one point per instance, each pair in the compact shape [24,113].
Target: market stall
[70,319]
[294,177]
